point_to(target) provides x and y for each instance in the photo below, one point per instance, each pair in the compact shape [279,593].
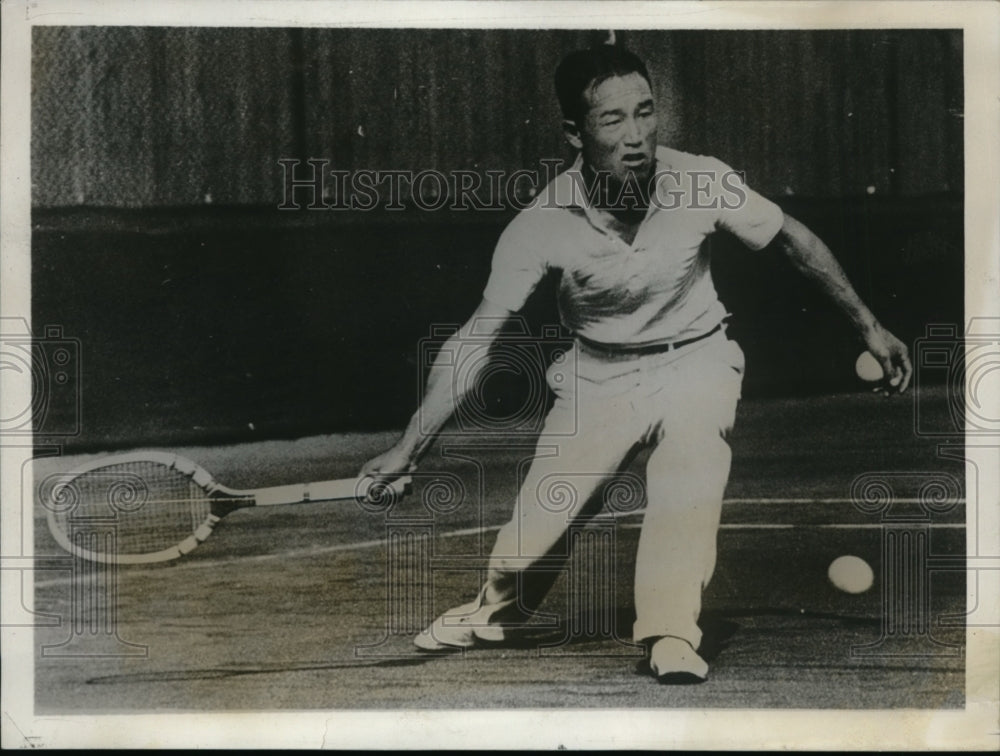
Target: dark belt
[625,349]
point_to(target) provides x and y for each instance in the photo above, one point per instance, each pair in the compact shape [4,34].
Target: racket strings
[142,506]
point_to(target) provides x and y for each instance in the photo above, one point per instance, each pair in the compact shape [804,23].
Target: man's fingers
[896,367]
[907,373]
[383,476]
[889,370]
[900,371]
[386,468]
[378,476]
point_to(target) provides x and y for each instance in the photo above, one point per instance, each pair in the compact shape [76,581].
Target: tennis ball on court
[868,368]
[851,574]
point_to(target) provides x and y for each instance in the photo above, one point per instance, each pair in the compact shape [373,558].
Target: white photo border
[973,727]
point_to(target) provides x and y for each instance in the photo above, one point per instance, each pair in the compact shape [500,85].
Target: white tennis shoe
[461,627]
[673,661]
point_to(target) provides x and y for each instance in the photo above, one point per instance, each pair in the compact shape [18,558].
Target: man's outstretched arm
[815,261]
[442,395]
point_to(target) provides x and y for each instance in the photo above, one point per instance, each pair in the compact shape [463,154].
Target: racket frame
[224,500]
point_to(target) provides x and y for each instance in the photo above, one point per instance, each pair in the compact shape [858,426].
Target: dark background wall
[204,313]
[141,117]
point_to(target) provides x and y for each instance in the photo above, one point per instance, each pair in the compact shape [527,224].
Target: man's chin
[635,177]
[638,173]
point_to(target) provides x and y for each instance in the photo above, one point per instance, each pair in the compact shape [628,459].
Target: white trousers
[682,404]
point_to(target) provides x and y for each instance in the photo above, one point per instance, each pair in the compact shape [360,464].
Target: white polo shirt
[658,288]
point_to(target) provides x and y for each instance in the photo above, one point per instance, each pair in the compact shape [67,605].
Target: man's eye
[646,113]
[611,121]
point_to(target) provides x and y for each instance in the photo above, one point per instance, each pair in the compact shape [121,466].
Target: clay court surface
[306,608]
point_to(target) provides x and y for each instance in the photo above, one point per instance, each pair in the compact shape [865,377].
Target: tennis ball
[851,574]
[868,368]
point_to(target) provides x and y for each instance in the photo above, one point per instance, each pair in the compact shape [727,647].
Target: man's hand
[893,356]
[389,465]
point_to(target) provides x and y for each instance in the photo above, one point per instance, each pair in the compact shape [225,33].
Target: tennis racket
[146,507]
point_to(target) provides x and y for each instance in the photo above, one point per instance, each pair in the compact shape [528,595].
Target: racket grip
[398,487]
[402,485]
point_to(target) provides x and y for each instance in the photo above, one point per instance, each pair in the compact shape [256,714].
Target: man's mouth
[633,159]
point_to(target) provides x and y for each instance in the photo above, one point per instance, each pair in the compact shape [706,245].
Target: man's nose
[633,134]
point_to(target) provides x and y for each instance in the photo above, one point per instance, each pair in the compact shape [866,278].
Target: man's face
[618,134]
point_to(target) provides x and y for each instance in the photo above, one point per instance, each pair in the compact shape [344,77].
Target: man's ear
[572,133]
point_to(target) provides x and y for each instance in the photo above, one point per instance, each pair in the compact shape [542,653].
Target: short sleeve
[518,261]
[750,217]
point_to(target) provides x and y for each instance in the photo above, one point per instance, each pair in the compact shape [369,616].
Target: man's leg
[557,492]
[686,479]
[530,548]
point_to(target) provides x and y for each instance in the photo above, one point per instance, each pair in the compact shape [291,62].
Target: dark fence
[140,117]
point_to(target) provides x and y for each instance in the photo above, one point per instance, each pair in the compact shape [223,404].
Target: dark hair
[580,69]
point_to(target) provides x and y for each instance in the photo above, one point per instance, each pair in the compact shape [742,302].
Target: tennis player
[624,226]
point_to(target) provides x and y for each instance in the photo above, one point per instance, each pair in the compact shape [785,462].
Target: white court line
[374,543]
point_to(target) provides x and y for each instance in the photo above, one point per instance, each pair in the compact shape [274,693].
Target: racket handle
[328,490]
